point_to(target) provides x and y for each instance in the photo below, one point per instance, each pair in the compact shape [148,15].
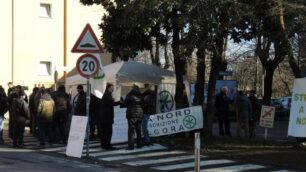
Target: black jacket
[134,104]
[106,110]
[20,110]
[80,105]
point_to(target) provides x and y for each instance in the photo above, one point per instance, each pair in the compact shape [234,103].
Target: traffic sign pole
[87,114]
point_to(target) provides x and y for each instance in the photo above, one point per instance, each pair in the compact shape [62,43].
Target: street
[152,158]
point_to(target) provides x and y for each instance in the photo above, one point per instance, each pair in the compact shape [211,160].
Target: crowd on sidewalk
[48,114]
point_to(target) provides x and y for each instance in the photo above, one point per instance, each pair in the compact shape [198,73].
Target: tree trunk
[218,62]
[268,85]
[167,61]
[199,87]
[157,60]
[178,62]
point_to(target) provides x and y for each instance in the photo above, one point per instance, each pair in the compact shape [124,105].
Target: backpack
[4,106]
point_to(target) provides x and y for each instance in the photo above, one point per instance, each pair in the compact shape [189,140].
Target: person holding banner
[134,115]
[106,117]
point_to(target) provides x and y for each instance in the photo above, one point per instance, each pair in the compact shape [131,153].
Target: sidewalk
[277,133]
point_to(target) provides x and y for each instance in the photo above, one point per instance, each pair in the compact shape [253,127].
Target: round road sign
[87,65]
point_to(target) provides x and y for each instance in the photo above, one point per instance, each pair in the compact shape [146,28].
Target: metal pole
[266,133]
[87,114]
[197,145]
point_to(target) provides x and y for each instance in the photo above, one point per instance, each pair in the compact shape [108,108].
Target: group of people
[247,112]
[49,113]
[139,107]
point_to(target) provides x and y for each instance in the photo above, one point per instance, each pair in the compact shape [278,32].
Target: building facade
[37,37]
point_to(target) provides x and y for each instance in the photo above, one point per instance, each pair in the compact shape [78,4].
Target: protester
[106,117]
[80,103]
[93,116]
[45,111]
[33,109]
[61,115]
[255,113]
[20,113]
[149,108]
[3,109]
[243,113]
[11,95]
[134,115]
[222,111]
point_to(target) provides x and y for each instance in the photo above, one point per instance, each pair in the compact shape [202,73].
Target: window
[44,68]
[45,10]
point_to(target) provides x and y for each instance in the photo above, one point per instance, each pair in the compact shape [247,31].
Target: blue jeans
[1,126]
[144,126]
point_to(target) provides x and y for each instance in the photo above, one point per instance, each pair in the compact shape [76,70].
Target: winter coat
[134,104]
[46,109]
[106,110]
[243,107]
[149,102]
[20,110]
[80,105]
[222,105]
[62,101]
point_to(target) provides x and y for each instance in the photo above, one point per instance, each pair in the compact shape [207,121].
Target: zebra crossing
[152,158]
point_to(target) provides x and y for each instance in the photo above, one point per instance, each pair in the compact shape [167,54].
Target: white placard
[297,122]
[160,124]
[76,136]
[120,126]
[177,121]
[267,116]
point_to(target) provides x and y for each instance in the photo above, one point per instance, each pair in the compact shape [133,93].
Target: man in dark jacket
[62,110]
[80,104]
[149,108]
[243,112]
[134,115]
[106,117]
[20,113]
[222,111]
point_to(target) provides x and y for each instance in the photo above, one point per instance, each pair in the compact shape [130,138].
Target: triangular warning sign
[87,42]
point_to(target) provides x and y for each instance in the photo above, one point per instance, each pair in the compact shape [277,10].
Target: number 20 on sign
[87,65]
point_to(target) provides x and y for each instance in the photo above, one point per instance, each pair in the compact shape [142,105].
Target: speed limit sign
[87,65]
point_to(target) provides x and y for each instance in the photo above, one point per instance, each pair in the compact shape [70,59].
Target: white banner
[160,124]
[76,136]
[297,122]
[176,121]
[120,126]
[165,98]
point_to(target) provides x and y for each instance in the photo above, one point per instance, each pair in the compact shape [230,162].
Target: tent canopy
[126,73]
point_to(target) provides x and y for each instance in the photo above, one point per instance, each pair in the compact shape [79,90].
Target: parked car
[286,102]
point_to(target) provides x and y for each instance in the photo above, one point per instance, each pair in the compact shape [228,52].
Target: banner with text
[160,124]
[297,122]
[177,121]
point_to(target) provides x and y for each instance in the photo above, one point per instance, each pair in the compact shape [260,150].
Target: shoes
[129,148]
[148,144]
[139,146]
[109,148]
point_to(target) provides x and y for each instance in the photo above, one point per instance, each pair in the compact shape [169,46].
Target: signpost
[87,65]
[267,118]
